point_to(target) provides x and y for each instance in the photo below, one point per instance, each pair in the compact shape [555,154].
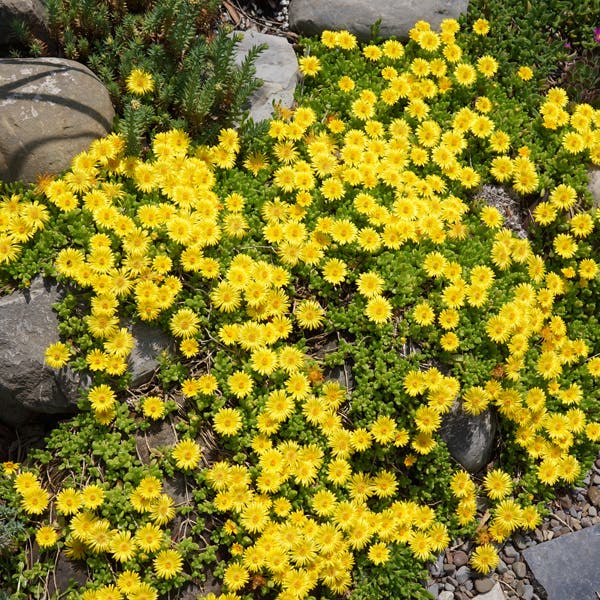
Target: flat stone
[463,574]
[276,67]
[495,593]
[576,554]
[446,595]
[460,558]
[311,17]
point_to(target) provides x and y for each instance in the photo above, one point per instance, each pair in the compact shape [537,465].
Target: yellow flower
[525,73]
[57,355]
[309,65]
[139,82]
[153,407]
[309,314]
[46,536]
[35,501]
[379,553]
[481,27]
[186,454]
[485,558]
[227,421]
[498,484]
[167,564]
[236,576]
[184,323]
[68,501]
[378,309]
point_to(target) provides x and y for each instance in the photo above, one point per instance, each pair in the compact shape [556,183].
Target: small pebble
[510,551]
[521,542]
[463,574]
[449,569]
[460,558]
[449,587]
[501,568]
[592,512]
[508,577]
[528,592]
[519,569]
[484,584]
[594,496]
[446,595]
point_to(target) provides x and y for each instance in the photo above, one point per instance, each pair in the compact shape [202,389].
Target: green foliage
[197,85]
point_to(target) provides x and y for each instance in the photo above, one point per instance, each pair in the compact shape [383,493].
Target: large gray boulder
[50,110]
[311,17]
[31,13]
[29,326]
[28,387]
[276,67]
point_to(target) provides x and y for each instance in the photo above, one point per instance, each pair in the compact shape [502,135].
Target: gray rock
[150,342]
[276,67]
[460,558]
[567,567]
[508,205]
[494,594]
[469,438]
[463,574]
[29,326]
[32,13]
[594,495]
[594,185]
[519,569]
[27,385]
[310,17]
[51,109]
[446,595]
[484,584]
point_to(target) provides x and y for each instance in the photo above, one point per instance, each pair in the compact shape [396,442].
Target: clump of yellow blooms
[384,176]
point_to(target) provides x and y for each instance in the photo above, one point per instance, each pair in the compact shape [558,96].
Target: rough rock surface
[470,439]
[27,385]
[276,66]
[50,109]
[310,17]
[594,185]
[29,325]
[32,13]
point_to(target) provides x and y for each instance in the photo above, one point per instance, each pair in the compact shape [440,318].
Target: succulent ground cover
[345,237]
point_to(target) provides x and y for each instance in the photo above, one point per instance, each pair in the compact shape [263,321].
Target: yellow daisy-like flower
[227,421]
[485,558]
[187,454]
[378,309]
[139,82]
[46,536]
[167,564]
[309,65]
[309,314]
[525,73]
[497,484]
[184,323]
[379,553]
[481,27]
[153,407]
[57,355]
[68,501]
